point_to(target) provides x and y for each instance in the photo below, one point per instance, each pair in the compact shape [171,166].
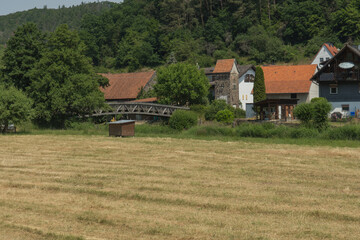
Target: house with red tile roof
[287,86]
[326,52]
[231,82]
[289,82]
[127,86]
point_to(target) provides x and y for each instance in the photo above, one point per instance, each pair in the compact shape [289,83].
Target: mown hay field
[95,187]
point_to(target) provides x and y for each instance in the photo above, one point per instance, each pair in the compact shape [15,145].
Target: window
[234,87]
[333,89]
[246,97]
[249,78]
[321,59]
[242,97]
[327,59]
[345,107]
[293,95]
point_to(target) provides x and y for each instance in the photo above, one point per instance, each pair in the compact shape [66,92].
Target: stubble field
[81,187]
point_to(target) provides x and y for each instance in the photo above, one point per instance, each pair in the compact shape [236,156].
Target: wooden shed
[122,128]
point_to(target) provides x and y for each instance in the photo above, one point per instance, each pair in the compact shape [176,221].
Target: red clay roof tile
[224,65]
[288,79]
[125,85]
[146,100]
[332,49]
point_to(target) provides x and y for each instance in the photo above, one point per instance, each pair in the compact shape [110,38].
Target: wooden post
[277,112]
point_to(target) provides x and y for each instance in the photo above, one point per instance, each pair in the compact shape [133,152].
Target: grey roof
[244,68]
[352,48]
[122,122]
[209,70]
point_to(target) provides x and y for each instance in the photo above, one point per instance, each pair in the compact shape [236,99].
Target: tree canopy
[15,107]
[181,84]
[63,81]
[23,50]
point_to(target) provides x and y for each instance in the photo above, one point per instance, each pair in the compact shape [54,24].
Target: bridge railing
[150,109]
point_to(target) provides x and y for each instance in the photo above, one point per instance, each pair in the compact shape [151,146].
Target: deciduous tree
[63,81]
[181,84]
[15,107]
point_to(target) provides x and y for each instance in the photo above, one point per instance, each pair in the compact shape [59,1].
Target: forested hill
[48,19]
[147,33]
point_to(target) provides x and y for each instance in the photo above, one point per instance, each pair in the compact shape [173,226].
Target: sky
[12,6]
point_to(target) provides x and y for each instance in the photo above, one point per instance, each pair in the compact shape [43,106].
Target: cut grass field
[96,187]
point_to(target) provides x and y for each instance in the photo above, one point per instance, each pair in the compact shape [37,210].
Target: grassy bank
[343,136]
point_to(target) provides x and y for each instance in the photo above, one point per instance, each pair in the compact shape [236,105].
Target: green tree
[259,85]
[63,81]
[15,107]
[23,50]
[345,21]
[181,84]
[225,116]
[304,112]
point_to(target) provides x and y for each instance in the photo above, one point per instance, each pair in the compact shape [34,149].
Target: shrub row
[267,130]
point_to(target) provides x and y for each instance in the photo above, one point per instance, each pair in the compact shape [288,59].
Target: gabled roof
[244,68]
[288,79]
[125,85]
[347,46]
[332,49]
[208,70]
[224,66]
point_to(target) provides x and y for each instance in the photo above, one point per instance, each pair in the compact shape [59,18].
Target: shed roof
[122,122]
[125,85]
[288,79]
[224,65]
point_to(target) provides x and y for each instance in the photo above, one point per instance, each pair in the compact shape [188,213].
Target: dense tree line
[147,33]
[51,72]
[49,19]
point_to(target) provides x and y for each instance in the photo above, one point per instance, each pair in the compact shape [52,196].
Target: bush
[213,108]
[304,112]
[251,130]
[304,133]
[212,131]
[348,132]
[225,116]
[182,119]
[321,110]
[239,113]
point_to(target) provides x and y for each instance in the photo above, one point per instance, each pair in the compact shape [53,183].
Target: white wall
[323,53]
[313,92]
[245,89]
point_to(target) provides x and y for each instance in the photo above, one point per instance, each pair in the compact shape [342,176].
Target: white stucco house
[326,52]
[246,85]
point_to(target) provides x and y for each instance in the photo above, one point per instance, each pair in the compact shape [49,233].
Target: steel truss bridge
[134,108]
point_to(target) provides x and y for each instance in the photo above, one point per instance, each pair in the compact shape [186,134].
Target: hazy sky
[11,6]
